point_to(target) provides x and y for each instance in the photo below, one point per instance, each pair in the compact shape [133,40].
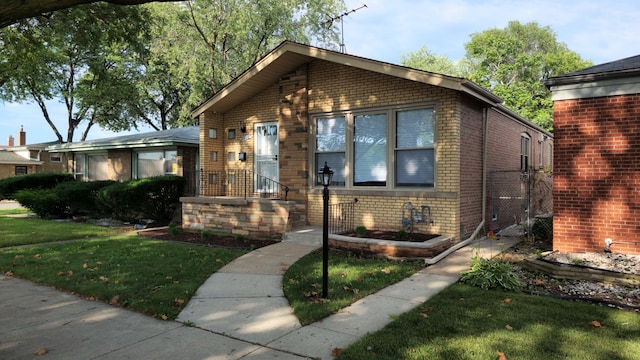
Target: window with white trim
[388,148]
[524,152]
[156,163]
[55,157]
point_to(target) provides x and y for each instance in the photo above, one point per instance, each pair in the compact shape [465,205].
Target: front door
[266,155]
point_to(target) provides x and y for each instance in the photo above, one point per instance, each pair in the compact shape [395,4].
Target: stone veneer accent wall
[255,218]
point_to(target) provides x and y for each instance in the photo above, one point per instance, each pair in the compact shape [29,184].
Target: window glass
[170,162]
[150,163]
[330,147]
[524,153]
[78,166]
[98,167]
[21,170]
[370,150]
[414,165]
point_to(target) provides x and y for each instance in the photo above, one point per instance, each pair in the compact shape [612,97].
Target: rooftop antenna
[343,48]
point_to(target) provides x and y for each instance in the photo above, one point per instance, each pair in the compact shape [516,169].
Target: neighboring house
[135,156]
[391,134]
[597,158]
[23,159]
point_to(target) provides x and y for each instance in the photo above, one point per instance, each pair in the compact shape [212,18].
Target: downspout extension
[455,247]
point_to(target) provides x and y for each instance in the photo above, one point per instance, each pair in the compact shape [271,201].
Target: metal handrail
[241,183]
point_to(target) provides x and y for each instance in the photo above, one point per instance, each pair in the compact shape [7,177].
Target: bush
[491,273]
[80,196]
[542,229]
[9,186]
[43,202]
[155,198]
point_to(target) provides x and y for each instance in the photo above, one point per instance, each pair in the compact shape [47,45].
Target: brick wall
[471,153]
[120,164]
[597,174]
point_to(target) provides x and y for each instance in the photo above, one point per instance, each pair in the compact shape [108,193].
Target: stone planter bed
[580,272]
[392,249]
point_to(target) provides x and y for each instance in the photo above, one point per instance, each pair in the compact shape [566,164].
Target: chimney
[22,137]
[10,142]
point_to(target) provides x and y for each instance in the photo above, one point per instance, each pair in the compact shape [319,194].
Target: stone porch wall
[252,217]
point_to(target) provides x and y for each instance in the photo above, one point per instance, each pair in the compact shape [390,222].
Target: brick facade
[597,174]
[321,87]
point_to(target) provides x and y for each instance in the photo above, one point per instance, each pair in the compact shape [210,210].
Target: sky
[600,31]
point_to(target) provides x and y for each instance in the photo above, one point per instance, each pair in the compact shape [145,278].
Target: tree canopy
[119,67]
[513,63]
[14,10]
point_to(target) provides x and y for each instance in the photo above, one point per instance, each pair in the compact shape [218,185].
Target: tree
[14,10]
[201,45]
[426,60]
[63,56]
[514,63]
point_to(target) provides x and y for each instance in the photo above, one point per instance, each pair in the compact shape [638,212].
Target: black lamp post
[326,175]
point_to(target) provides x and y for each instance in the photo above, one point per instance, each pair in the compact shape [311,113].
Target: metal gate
[519,197]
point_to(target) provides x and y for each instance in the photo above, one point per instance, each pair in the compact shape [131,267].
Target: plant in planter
[360,231]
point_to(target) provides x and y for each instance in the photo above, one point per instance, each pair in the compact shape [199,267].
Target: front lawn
[154,277]
[465,322]
[22,231]
[350,279]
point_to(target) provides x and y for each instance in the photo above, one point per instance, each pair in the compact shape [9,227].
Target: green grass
[16,211]
[22,231]
[465,322]
[350,278]
[153,277]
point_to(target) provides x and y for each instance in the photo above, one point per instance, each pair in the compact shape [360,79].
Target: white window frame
[174,169]
[55,157]
[391,148]
[83,174]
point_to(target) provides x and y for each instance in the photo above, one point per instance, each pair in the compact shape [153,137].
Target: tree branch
[14,10]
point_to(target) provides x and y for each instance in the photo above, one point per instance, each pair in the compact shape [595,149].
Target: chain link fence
[523,199]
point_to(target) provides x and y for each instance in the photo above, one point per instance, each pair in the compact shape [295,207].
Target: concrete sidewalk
[240,312]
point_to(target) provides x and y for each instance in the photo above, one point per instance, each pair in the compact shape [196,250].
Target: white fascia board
[602,88]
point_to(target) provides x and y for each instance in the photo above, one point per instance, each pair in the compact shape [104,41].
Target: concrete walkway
[239,312]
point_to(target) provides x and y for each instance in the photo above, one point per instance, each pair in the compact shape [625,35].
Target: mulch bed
[197,238]
[392,235]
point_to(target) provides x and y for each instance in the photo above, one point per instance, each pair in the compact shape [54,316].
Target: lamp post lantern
[326,175]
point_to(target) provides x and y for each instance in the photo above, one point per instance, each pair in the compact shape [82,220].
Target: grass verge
[17,211]
[22,231]
[350,278]
[465,322]
[154,277]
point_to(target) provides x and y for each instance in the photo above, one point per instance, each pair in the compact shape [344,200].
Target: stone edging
[578,272]
[390,248]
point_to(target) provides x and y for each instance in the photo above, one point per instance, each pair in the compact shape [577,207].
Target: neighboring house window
[21,170]
[79,166]
[391,148]
[91,167]
[330,147]
[55,158]
[524,152]
[156,163]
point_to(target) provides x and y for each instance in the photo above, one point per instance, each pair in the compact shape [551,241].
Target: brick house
[596,158]
[135,156]
[391,134]
[21,158]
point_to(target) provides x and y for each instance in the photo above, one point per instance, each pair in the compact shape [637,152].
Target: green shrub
[11,185]
[80,196]
[360,231]
[492,273]
[542,229]
[403,234]
[173,228]
[155,198]
[43,202]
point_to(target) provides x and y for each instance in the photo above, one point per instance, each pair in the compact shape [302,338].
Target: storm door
[266,157]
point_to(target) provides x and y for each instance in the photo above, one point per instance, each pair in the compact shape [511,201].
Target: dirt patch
[213,239]
[392,235]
